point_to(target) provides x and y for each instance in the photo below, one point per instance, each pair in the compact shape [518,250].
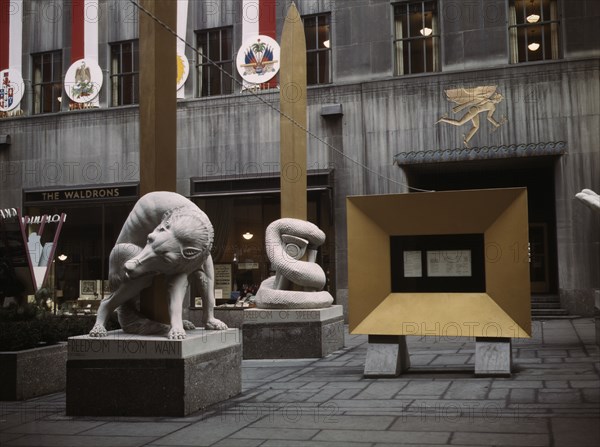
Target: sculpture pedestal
[493,357]
[292,333]
[387,356]
[134,375]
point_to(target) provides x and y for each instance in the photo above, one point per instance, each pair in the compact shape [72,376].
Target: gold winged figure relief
[476,100]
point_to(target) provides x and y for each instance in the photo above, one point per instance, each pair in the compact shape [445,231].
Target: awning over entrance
[481,153]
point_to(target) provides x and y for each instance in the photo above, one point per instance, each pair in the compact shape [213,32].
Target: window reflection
[245,260]
[86,240]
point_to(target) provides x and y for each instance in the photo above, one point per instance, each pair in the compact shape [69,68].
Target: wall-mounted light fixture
[426,31]
[247,235]
[534,46]
[533,18]
[4,140]
[62,257]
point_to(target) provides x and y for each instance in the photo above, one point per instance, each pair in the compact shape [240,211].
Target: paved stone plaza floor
[552,399]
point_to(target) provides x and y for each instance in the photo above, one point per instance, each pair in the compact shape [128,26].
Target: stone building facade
[375,101]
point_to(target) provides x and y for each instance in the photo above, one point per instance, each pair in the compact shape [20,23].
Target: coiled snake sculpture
[297,284]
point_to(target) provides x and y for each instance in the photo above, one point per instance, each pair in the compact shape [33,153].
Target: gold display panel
[502,310]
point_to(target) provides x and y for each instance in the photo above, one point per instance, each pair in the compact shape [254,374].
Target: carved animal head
[179,244]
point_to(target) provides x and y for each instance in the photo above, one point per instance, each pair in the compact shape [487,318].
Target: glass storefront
[78,276]
[80,268]
[239,253]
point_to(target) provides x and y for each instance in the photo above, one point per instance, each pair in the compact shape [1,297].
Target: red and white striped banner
[11,34]
[259,18]
[84,29]
[84,78]
[11,46]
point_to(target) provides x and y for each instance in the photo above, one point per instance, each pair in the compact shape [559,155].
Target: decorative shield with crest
[258,59]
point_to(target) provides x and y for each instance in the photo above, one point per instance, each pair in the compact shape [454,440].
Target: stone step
[538,312]
[545,299]
[545,305]
[554,317]
[558,310]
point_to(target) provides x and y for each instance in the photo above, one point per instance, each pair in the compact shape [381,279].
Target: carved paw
[188,325]
[176,334]
[215,325]
[98,331]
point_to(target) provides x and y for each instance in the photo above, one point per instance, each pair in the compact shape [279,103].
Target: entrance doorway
[538,243]
[534,173]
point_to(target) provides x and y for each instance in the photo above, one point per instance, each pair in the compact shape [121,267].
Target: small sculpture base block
[134,375]
[292,333]
[387,356]
[493,357]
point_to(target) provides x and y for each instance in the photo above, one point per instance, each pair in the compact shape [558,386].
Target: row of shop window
[89,234]
[533,36]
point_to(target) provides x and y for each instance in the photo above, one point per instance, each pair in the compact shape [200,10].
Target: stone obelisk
[158,121]
[292,81]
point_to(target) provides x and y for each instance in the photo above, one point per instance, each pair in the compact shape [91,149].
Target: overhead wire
[271,106]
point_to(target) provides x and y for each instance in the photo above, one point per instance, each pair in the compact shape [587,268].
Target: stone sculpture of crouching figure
[165,233]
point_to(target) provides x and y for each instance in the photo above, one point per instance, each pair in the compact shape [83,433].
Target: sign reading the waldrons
[258,59]
[11,89]
[83,81]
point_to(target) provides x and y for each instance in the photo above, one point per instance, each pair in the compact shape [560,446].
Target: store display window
[79,275]
[239,253]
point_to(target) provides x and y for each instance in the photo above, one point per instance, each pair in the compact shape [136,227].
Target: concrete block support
[124,375]
[387,356]
[493,357]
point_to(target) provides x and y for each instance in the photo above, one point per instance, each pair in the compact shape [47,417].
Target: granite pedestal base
[32,372]
[133,375]
[387,356]
[292,333]
[493,357]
